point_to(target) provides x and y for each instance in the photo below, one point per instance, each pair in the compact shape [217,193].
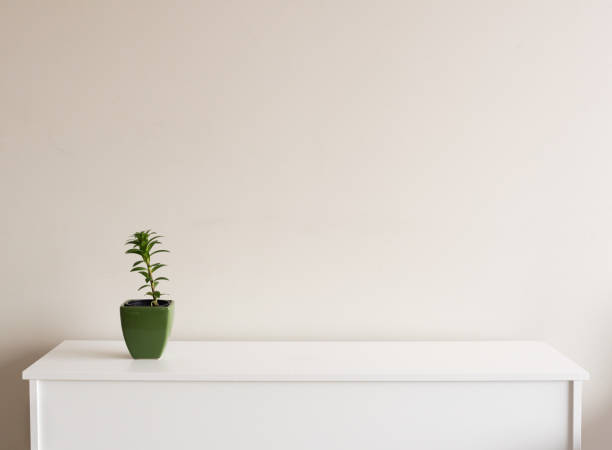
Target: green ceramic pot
[146,328]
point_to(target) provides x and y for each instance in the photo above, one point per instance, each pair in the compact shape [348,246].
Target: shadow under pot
[146,328]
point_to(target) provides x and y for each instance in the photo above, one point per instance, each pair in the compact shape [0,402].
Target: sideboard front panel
[150,415]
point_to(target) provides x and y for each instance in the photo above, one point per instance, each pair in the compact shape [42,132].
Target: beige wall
[322,170]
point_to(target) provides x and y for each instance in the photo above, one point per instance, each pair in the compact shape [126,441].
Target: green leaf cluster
[143,244]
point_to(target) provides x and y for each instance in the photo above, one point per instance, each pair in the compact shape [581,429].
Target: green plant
[142,243]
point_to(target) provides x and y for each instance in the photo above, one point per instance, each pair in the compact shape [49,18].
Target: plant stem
[154,302]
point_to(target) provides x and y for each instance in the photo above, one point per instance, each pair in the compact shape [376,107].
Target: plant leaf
[156,266]
[160,251]
[143,286]
[137,262]
[135,251]
[151,244]
[161,278]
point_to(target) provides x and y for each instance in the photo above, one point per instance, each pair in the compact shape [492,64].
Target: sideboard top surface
[310,361]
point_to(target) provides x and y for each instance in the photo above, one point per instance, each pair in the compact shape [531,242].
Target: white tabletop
[309,361]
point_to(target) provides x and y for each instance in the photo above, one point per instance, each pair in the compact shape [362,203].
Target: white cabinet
[307,395]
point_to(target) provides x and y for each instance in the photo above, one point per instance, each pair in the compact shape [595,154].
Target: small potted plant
[146,323]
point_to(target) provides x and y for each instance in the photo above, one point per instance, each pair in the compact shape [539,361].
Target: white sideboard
[228,395]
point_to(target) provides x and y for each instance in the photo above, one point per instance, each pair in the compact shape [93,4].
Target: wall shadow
[597,433]
[15,416]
